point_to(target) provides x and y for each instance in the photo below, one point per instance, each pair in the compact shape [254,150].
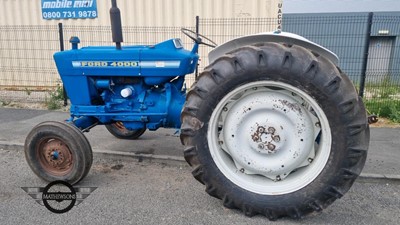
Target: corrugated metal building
[144,12]
[346,34]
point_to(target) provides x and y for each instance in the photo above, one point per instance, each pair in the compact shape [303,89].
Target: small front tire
[58,151]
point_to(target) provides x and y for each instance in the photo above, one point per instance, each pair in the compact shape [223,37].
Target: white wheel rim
[269,137]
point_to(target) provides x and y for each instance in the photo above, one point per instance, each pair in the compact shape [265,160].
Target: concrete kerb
[118,155]
[11,146]
[175,160]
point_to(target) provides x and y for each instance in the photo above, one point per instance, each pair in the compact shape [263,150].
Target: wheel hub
[266,138]
[55,157]
[268,132]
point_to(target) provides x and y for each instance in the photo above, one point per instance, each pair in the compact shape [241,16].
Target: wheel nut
[261,129]
[261,146]
[271,147]
[255,137]
[271,130]
[276,138]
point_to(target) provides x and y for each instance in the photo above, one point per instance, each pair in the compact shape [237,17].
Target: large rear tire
[275,129]
[58,151]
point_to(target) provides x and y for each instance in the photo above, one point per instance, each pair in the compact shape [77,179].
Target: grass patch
[388,108]
[4,102]
[55,99]
[383,99]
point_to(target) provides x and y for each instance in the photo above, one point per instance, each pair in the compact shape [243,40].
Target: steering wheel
[198,38]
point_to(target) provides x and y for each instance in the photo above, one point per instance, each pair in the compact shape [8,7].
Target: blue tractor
[271,126]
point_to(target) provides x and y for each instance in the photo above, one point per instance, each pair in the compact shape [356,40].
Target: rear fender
[276,36]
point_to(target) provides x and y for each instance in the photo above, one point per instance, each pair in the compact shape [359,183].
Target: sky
[324,6]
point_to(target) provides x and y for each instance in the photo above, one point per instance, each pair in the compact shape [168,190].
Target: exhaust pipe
[116,25]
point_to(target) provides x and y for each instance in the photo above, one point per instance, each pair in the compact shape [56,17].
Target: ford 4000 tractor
[271,126]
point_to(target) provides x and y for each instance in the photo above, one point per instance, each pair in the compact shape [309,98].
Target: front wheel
[274,129]
[58,151]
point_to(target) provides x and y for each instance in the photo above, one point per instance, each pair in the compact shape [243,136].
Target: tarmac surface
[383,161]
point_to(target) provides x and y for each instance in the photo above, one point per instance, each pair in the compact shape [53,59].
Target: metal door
[379,58]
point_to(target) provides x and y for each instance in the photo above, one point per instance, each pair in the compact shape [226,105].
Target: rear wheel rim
[269,137]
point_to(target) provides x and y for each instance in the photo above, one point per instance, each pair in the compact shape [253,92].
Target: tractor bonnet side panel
[156,65]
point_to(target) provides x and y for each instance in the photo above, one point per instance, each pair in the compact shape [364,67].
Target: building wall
[145,12]
[345,35]
[390,22]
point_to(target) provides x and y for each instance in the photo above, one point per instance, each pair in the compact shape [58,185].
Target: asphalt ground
[383,161]
[132,192]
[146,181]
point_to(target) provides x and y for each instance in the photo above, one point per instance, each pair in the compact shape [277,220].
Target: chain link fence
[369,52]
[368,47]
[382,84]
[26,67]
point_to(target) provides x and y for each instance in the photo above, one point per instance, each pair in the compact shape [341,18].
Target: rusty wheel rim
[120,126]
[54,156]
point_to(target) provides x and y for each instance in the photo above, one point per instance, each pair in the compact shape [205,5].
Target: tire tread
[278,57]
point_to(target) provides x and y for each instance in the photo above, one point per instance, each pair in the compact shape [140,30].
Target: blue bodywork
[141,86]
